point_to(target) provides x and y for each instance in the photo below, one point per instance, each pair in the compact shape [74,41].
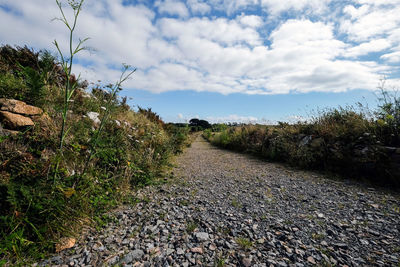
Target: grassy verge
[360,144]
[45,195]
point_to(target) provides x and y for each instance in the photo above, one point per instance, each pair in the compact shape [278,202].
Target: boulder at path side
[14,121]
[19,107]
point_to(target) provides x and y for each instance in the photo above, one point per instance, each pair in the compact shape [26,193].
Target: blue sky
[225,60]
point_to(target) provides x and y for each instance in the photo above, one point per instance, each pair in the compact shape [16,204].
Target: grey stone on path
[201,237]
[133,256]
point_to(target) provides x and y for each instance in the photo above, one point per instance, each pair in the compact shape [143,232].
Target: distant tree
[199,125]
[194,122]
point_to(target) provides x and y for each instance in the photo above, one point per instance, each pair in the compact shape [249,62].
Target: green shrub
[342,140]
[50,187]
[35,82]
[12,87]
[24,74]
[45,196]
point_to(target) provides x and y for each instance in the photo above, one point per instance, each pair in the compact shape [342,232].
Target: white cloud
[233,118]
[230,6]
[221,30]
[199,7]
[224,55]
[276,7]
[172,7]
[296,119]
[370,20]
[356,12]
[250,20]
[368,47]
[379,2]
[393,57]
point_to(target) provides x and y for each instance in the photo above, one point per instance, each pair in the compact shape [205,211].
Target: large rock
[19,107]
[14,121]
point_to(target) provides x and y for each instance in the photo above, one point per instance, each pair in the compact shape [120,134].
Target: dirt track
[229,209]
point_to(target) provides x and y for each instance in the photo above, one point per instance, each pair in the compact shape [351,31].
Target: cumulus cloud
[221,30]
[233,118]
[238,54]
[368,47]
[376,25]
[199,7]
[276,7]
[371,20]
[172,7]
[250,20]
[393,57]
[230,6]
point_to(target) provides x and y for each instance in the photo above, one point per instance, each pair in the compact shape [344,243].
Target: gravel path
[229,209]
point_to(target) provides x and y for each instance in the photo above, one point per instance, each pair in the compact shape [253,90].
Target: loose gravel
[229,209]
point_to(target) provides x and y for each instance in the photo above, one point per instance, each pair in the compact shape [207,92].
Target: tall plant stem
[67,64]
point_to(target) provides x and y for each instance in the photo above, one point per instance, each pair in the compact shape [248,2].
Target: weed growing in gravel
[236,203]
[194,192]
[190,227]
[324,263]
[244,243]
[146,200]
[219,261]
[268,193]
[223,230]
[287,222]
[317,236]
[310,217]
[162,215]
[396,208]
[184,202]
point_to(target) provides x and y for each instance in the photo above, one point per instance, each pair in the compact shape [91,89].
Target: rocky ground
[229,209]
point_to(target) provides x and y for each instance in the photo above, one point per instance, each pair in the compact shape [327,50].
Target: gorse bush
[24,74]
[388,115]
[35,82]
[12,86]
